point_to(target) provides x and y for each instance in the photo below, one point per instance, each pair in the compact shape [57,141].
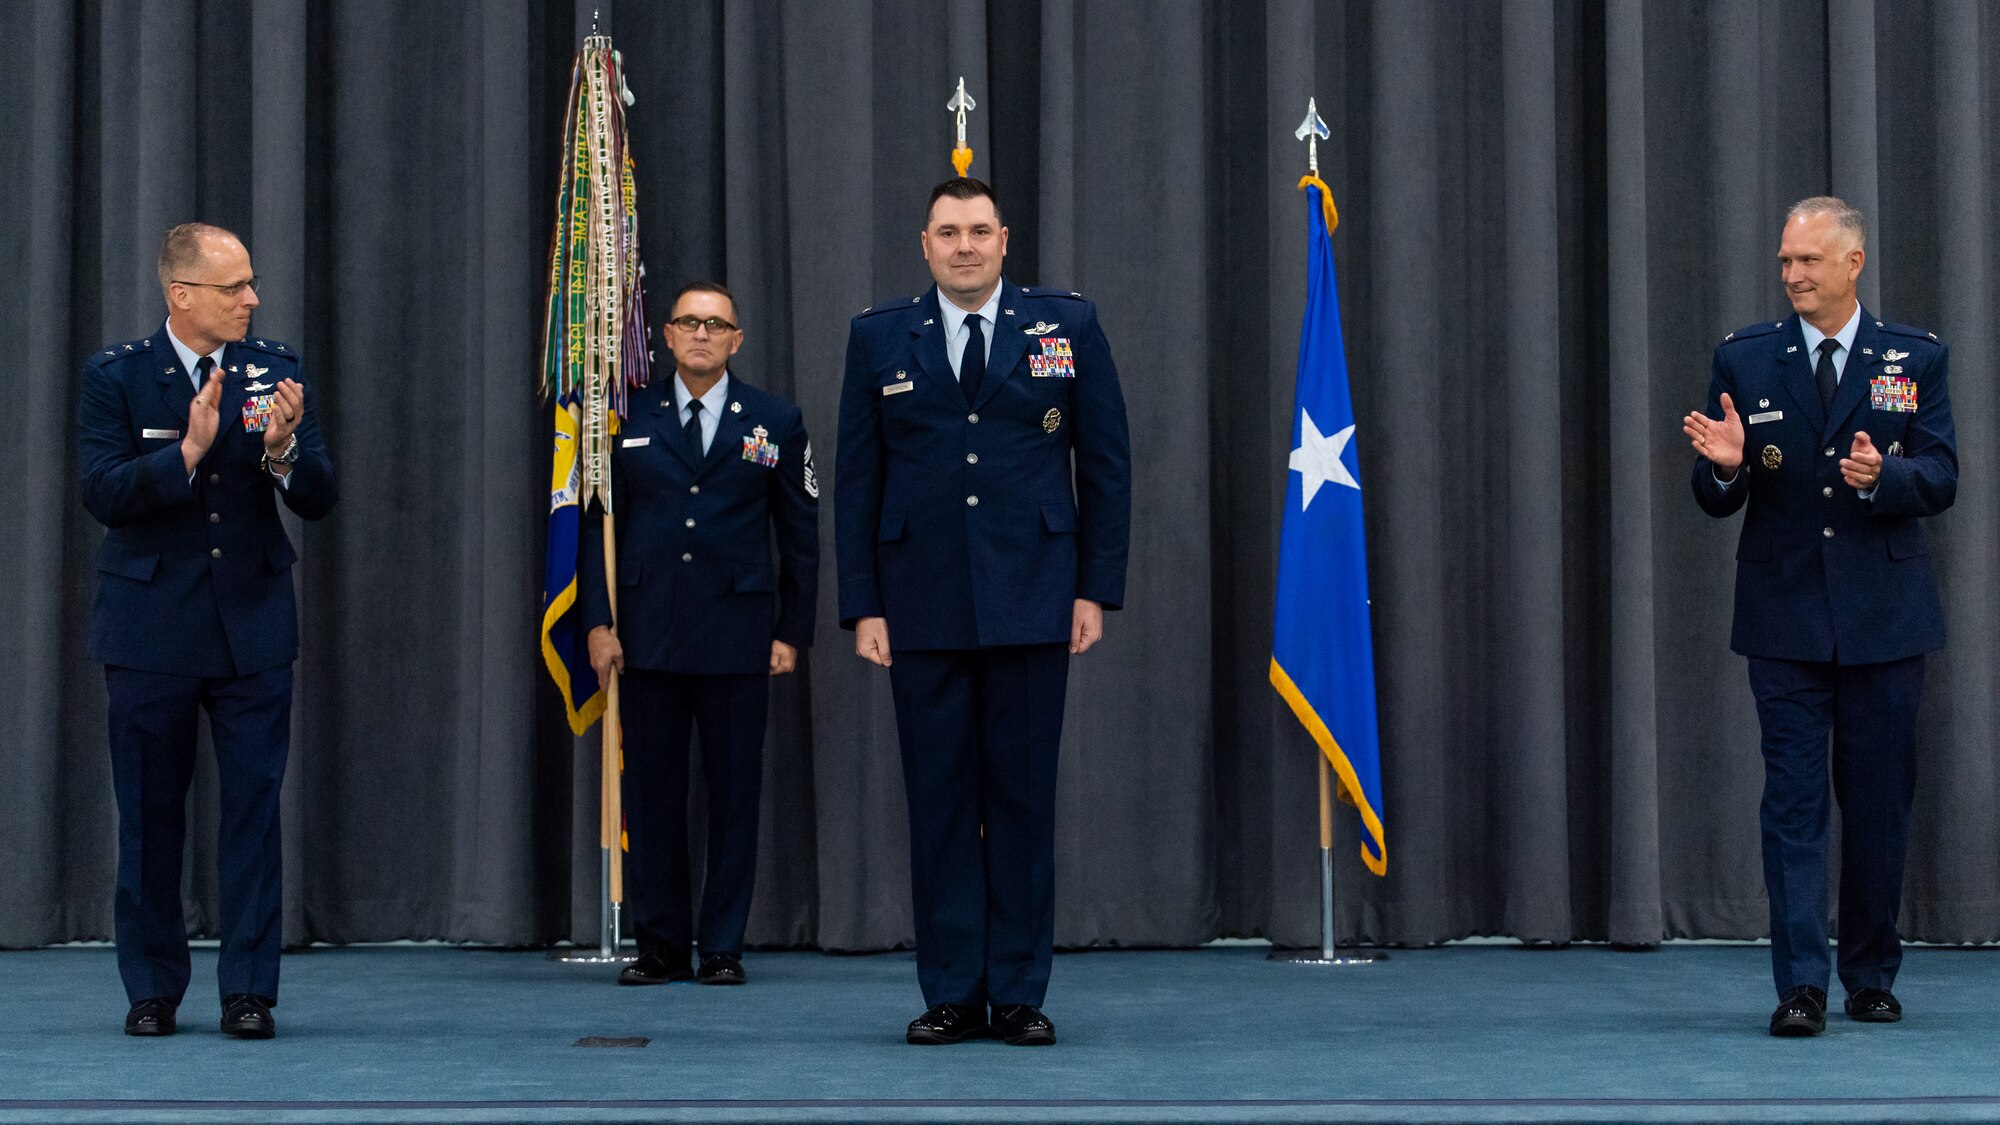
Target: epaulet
[269,347]
[1762,328]
[1043,291]
[114,351]
[1894,329]
[887,306]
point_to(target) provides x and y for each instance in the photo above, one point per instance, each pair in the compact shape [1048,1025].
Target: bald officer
[973,569]
[187,441]
[1832,431]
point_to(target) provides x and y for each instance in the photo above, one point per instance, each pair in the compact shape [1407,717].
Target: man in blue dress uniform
[702,475]
[186,441]
[1834,429]
[965,415]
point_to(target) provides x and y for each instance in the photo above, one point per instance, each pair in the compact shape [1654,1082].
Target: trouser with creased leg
[152,726]
[979,731]
[1870,712]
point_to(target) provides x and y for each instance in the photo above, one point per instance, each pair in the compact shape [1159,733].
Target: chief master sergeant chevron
[186,440]
[1834,429]
[964,415]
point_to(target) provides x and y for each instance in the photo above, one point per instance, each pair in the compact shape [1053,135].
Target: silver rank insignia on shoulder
[1773,457]
[1051,421]
[262,344]
[1040,328]
[1894,356]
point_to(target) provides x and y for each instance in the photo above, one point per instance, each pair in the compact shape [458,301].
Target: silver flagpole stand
[1326,954]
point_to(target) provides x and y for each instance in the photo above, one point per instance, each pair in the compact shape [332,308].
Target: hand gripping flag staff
[593,354]
[1322,660]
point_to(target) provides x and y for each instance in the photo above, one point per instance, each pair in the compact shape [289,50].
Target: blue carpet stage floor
[1484,1033]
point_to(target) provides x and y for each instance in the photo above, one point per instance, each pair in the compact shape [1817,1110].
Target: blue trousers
[661,710]
[979,731]
[1870,710]
[153,719]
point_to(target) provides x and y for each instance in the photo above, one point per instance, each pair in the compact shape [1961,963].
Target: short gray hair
[1846,217]
[182,249]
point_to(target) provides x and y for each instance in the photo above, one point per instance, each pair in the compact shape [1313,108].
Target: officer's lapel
[1795,372]
[729,429]
[662,426]
[176,386]
[1853,389]
[229,408]
[928,344]
[1008,344]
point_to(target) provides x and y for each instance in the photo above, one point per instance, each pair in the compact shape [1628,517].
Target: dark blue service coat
[194,577]
[1821,574]
[957,520]
[698,592]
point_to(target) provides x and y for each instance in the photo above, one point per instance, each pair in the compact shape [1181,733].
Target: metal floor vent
[612,1041]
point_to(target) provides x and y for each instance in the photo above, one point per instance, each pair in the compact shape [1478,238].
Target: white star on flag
[1317,459]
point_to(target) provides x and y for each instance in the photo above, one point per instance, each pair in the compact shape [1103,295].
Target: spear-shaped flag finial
[961,155]
[1312,131]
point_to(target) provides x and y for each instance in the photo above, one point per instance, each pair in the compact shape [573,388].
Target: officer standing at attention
[964,415]
[701,476]
[1834,428]
[186,441]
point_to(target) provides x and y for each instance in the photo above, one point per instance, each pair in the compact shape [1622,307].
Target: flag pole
[611,809]
[1310,131]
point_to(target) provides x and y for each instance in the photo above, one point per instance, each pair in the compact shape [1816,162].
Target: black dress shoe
[247,1017]
[1023,1025]
[1874,1005]
[720,968]
[946,1023]
[656,968]
[1801,1012]
[150,1017]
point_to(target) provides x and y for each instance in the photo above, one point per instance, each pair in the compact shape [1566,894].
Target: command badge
[1051,420]
[258,411]
[1773,457]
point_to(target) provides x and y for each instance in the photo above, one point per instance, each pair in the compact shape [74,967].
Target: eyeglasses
[234,289]
[715,324]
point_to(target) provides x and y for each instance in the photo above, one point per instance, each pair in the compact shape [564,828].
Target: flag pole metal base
[1326,954]
[610,941]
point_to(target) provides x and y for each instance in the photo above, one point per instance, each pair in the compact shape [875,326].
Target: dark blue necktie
[972,365]
[202,367]
[1823,374]
[691,433]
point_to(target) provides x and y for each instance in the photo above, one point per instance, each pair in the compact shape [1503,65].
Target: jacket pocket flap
[756,580]
[890,530]
[1059,518]
[136,565]
[1908,543]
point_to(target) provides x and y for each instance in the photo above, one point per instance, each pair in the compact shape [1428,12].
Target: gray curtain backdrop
[1551,211]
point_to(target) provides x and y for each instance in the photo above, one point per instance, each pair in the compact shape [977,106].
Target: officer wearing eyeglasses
[186,442]
[702,474]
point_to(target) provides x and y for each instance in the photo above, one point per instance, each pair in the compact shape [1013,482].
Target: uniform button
[972,418]
[215,553]
[1827,491]
[694,490]
[215,517]
[690,521]
[215,478]
[972,501]
[1827,531]
[687,558]
[1829,451]
[972,458]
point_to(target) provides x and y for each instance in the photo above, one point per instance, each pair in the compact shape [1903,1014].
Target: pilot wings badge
[255,373]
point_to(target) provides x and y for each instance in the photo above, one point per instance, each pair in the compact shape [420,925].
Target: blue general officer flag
[1322,660]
